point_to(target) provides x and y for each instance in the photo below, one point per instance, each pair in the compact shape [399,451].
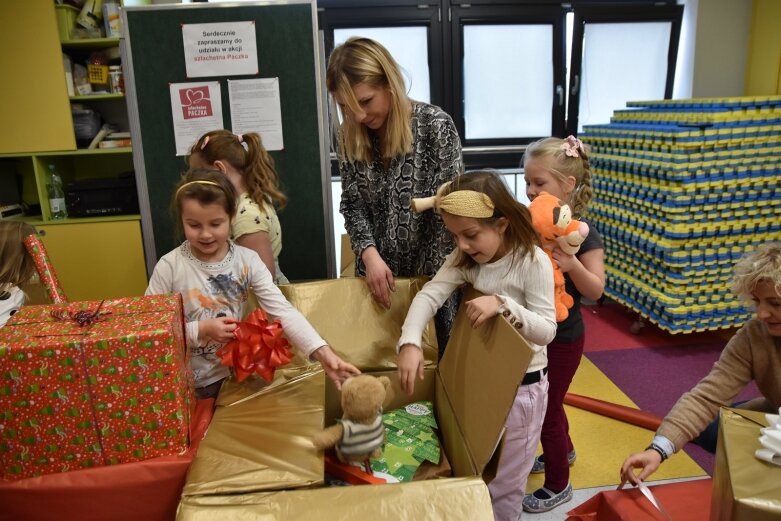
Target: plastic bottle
[56,194]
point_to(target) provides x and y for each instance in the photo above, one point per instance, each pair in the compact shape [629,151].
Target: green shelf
[94,97]
[90,43]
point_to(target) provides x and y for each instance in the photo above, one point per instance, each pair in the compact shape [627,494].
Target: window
[512,72]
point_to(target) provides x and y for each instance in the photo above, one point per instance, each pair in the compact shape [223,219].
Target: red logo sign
[195,102]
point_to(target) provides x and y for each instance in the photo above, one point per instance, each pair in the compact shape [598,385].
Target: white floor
[580,496]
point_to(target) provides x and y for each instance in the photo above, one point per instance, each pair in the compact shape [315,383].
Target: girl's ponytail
[261,175]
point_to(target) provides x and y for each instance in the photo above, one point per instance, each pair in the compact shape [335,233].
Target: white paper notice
[196,109]
[255,107]
[220,49]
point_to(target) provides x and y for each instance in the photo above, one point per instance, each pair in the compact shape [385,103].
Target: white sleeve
[538,317]
[162,282]
[429,299]
[297,329]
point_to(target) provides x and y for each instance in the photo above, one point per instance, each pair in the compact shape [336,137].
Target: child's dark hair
[520,235]
[255,163]
[206,187]
[16,265]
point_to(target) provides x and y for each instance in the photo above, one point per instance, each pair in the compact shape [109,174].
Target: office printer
[102,196]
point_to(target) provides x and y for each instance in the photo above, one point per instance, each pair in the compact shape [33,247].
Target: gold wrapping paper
[262,441]
[359,330]
[744,488]
[436,500]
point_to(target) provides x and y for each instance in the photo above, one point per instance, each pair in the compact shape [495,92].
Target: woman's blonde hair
[362,60]
[520,236]
[16,265]
[761,265]
[255,163]
[564,166]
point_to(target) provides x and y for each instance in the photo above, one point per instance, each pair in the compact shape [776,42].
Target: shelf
[37,220]
[90,43]
[101,96]
[77,152]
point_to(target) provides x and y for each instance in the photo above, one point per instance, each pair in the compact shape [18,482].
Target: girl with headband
[498,253]
[250,168]
[215,276]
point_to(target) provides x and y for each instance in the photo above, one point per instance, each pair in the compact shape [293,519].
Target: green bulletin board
[287,49]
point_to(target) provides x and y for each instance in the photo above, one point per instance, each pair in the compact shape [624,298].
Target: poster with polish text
[196,108]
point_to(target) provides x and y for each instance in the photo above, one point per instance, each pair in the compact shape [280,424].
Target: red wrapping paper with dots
[93,383]
[45,270]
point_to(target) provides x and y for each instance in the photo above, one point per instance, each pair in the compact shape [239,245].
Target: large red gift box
[93,383]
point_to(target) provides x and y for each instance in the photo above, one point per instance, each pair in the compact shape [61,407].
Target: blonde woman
[391,149]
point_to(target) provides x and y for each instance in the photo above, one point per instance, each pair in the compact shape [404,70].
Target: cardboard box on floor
[257,456]
[744,487]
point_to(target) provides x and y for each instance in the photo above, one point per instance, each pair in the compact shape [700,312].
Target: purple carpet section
[655,377]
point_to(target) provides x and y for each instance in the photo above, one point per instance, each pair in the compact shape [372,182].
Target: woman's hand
[481,309]
[335,368]
[565,261]
[219,329]
[410,365]
[648,460]
[379,277]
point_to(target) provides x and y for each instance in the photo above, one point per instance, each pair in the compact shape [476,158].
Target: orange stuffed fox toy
[552,218]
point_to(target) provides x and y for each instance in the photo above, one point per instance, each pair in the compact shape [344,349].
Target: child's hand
[337,369]
[481,309]
[219,329]
[410,364]
[565,261]
[648,460]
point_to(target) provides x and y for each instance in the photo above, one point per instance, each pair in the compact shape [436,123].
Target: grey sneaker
[533,504]
[539,462]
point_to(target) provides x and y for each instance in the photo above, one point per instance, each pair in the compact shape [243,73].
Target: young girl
[252,174]
[497,251]
[215,276]
[16,267]
[754,353]
[560,167]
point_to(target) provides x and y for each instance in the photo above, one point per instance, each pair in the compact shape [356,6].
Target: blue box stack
[682,189]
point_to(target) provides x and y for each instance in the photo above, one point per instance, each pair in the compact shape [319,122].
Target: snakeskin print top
[376,201]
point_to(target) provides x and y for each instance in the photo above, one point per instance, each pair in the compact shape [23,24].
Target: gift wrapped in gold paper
[260,438]
[358,329]
[744,487]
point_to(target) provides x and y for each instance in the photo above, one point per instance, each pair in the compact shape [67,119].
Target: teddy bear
[552,218]
[359,434]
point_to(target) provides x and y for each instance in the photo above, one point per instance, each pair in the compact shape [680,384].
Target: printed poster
[196,109]
[255,107]
[220,49]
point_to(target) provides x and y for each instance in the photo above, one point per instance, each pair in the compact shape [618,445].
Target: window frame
[618,14]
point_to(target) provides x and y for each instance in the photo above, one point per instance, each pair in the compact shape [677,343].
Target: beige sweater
[752,354]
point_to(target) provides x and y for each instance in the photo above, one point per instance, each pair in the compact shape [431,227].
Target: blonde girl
[561,168]
[250,169]
[498,253]
[391,149]
[215,277]
[16,267]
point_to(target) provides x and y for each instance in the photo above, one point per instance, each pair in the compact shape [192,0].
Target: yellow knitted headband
[199,182]
[464,203]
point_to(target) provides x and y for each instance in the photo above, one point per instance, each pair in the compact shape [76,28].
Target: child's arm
[587,271]
[423,307]
[261,243]
[538,316]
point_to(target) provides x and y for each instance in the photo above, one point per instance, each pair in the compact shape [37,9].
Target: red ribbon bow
[259,347]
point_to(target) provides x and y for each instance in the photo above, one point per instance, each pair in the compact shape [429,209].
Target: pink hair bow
[571,146]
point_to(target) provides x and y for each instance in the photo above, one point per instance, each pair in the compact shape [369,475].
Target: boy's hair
[206,187]
[520,236]
[16,265]
[362,60]
[761,265]
[564,166]
[255,163]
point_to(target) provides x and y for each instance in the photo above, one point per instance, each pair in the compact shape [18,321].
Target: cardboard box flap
[357,329]
[483,366]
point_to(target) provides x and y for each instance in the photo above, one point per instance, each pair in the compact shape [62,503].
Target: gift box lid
[480,366]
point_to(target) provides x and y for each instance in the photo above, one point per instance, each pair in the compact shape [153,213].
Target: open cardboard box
[257,457]
[744,488]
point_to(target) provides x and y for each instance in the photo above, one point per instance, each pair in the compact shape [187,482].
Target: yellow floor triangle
[603,443]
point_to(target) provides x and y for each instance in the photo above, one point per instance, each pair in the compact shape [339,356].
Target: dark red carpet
[653,368]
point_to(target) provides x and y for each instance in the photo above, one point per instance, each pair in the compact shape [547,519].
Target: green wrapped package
[410,440]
